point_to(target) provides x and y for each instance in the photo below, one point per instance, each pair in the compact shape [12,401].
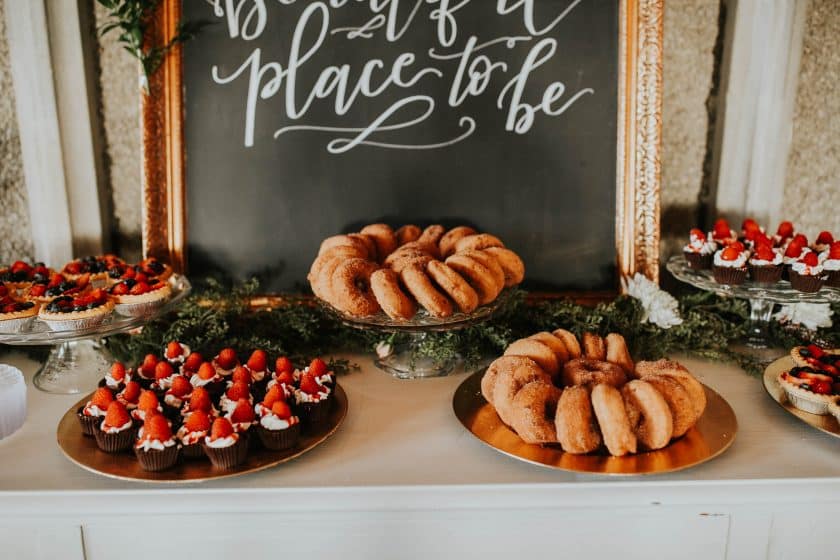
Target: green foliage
[215,317]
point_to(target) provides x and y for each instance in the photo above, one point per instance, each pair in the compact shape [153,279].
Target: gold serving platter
[711,436]
[827,423]
[124,466]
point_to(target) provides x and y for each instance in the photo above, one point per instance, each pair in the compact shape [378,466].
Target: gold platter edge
[826,424]
[68,432]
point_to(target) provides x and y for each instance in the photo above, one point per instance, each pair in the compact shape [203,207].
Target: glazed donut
[402,258]
[432,235]
[477,242]
[571,342]
[682,411]
[343,241]
[454,285]
[350,288]
[537,351]
[511,264]
[390,296]
[648,413]
[594,347]
[612,419]
[534,410]
[478,276]
[514,372]
[492,265]
[577,431]
[342,252]
[370,244]
[583,371]
[618,354]
[383,236]
[408,233]
[418,283]
[555,344]
[682,375]
[451,237]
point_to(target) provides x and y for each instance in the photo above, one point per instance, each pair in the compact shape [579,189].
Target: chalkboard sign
[303,119]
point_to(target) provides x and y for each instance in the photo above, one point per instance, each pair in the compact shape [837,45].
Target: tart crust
[804,399]
[152,296]
[76,320]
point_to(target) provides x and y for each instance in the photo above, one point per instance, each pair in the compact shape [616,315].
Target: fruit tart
[730,264]
[153,267]
[826,360]
[140,296]
[279,429]
[116,432]
[92,413]
[224,447]
[95,266]
[809,389]
[20,275]
[831,265]
[191,434]
[83,311]
[15,315]
[58,285]
[156,448]
[806,274]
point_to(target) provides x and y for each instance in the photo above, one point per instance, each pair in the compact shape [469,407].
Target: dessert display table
[403,479]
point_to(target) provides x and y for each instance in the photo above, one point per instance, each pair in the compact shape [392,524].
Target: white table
[403,479]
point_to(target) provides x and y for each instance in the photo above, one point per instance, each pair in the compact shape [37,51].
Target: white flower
[660,307]
[810,315]
[383,349]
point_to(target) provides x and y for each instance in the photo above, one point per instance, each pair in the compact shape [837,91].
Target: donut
[454,285]
[408,233]
[350,287]
[555,344]
[383,236]
[390,296]
[514,372]
[648,413]
[341,252]
[488,380]
[571,342]
[618,354]
[682,411]
[577,431]
[594,347]
[477,275]
[534,409]
[682,375]
[476,242]
[511,264]
[537,351]
[583,371]
[402,258]
[420,285]
[423,246]
[432,235]
[647,367]
[343,241]
[612,419]
[492,265]
[369,243]
[451,237]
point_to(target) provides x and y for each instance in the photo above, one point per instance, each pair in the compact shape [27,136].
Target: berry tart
[116,432]
[92,413]
[279,429]
[176,353]
[58,285]
[698,253]
[20,275]
[806,274]
[117,377]
[153,267]
[191,434]
[831,265]
[765,265]
[824,359]
[96,267]
[15,315]
[730,264]
[83,311]
[809,389]
[156,449]
[313,400]
[823,242]
[224,447]
[139,298]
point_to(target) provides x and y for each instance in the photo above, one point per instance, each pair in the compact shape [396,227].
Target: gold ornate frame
[637,153]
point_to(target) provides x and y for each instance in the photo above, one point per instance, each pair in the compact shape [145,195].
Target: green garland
[215,317]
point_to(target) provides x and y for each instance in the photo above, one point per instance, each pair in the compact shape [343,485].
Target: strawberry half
[243,412]
[785,230]
[221,428]
[206,371]
[282,364]
[258,361]
[281,410]
[200,400]
[241,375]
[728,254]
[116,416]
[193,362]
[227,358]
[163,370]
[156,427]
[198,421]
[173,350]
[102,398]
[825,238]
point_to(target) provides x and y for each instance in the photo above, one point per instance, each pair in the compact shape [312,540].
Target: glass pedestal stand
[762,297]
[78,359]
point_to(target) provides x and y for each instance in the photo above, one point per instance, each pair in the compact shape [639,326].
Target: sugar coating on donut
[537,351]
[408,233]
[496,272]
[594,347]
[478,276]
[554,343]
[577,430]
[612,420]
[383,236]
[477,241]
[571,342]
[350,287]
[402,258]
[682,411]
[418,283]
[535,408]
[618,354]
[432,234]
[454,285]
[451,237]
[390,296]
[514,372]
[512,265]
[648,414]
[583,371]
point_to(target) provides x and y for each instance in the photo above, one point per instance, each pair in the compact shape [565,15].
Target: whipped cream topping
[791,260]
[140,414]
[805,270]
[257,376]
[274,422]
[700,245]
[287,389]
[115,429]
[220,443]
[740,262]
[188,438]
[261,410]
[157,444]
[302,396]
[164,382]
[830,264]
[174,401]
[114,384]
[179,360]
[197,381]
[92,410]
[227,404]
[777,260]
[222,371]
[128,404]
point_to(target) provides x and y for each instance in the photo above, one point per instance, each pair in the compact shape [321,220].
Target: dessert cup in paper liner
[156,460]
[279,440]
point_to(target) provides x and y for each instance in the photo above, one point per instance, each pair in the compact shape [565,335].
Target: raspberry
[116,415]
[221,428]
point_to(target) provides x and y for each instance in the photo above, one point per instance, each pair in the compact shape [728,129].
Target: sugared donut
[422,246]
[511,264]
[343,241]
[618,354]
[342,252]
[451,237]
[454,285]
[390,296]
[648,413]
[488,380]
[577,431]
[534,410]
[478,276]
[383,236]
[350,287]
[420,286]
[407,234]
[612,419]
[492,265]
[594,347]
[682,375]
[402,258]
[432,235]
[571,342]
[537,351]
[555,344]
[370,244]
[514,372]
[476,242]
[682,411]
[583,371]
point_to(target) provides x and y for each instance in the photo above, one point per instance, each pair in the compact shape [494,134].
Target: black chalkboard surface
[304,119]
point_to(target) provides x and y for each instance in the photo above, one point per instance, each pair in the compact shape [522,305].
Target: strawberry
[206,371]
[272,396]
[764,253]
[116,416]
[221,428]
[239,390]
[815,351]
[147,401]
[156,427]
[737,245]
[721,229]
[38,290]
[198,421]
[310,386]
[697,234]
[74,267]
[118,371]
[131,392]
[318,367]
[120,289]
[258,361]
[141,278]
[793,250]
[173,350]
[801,239]
[811,259]
[285,377]
[227,358]
[281,410]
[834,250]
[193,362]
[147,369]
[282,364]
[750,225]
[139,288]
[728,254]
[56,280]
[825,238]
[200,400]
[785,230]
[102,398]
[241,375]
[244,412]
[163,370]
[762,239]
[83,281]
[4,291]
[180,386]
[820,386]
